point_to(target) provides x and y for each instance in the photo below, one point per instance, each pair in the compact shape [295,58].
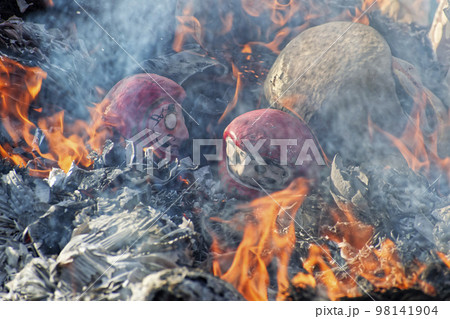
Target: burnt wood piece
[305,294]
[182,284]
[52,231]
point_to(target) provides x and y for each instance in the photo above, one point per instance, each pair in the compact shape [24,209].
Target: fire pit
[224,150]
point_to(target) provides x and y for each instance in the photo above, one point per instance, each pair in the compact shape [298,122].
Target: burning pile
[332,121]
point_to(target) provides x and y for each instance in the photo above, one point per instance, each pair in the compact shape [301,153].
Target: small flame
[444,259]
[385,6]
[188,26]
[419,150]
[358,16]
[280,13]
[227,22]
[275,44]
[319,266]
[238,75]
[183,180]
[273,22]
[438,34]
[99,130]
[16,159]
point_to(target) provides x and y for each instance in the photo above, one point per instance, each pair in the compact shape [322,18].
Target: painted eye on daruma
[170,121]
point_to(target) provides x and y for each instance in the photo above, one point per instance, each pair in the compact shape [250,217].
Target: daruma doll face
[147,101]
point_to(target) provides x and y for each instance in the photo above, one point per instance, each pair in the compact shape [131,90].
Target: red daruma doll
[147,101]
[265,151]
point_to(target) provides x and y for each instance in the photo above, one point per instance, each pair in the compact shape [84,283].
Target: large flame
[66,144]
[269,237]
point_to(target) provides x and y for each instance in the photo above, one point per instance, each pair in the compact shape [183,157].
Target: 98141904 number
[406,310]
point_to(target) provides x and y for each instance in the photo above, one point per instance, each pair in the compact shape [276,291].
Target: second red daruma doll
[265,151]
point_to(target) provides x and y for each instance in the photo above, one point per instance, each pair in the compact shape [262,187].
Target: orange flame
[444,259]
[360,15]
[19,87]
[265,240]
[238,75]
[63,150]
[280,13]
[98,130]
[274,45]
[269,236]
[419,150]
[188,26]
[381,266]
[16,159]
